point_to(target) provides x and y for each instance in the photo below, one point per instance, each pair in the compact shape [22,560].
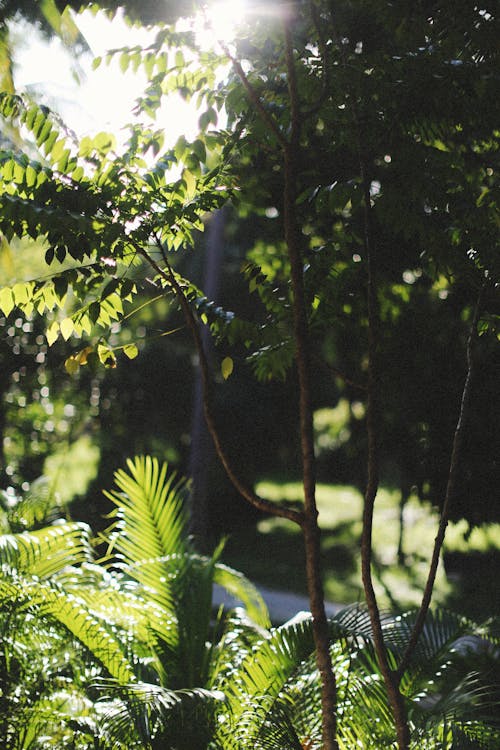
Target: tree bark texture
[310,525]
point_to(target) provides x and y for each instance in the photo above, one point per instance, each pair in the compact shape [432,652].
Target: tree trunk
[401,536]
[310,525]
[391,677]
[201,451]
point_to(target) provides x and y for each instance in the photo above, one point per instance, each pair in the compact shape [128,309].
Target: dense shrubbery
[130,650]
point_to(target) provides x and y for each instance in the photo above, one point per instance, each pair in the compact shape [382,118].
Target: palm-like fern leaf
[241,588]
[170,719]
[441,689]
[150,540]
[151,526]
[35,508]
[47,551]
[257,685]
[55,721]
[111,597]
[151,505]
[46,598]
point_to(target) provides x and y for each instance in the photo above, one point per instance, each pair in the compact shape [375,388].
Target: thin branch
[391,681]
[258,502]
[396,699]
[310,526]
[254,97]
[453,475]
[339,374]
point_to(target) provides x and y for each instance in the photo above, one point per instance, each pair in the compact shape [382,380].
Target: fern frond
[174,718]
[254,690]
[239,586]
[46,598]
[47,551]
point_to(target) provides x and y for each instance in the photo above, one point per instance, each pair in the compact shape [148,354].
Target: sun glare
[104,99]
[221,20]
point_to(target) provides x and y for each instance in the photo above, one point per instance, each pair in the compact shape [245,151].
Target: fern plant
[181,652]
[141,620]
[451,686]
[128,653]
[48,635]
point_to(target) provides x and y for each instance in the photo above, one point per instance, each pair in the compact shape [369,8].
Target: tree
[331,126]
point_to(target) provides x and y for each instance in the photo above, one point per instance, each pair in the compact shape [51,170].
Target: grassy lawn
[272,554]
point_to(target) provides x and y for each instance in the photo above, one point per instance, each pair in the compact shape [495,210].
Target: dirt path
[282,605]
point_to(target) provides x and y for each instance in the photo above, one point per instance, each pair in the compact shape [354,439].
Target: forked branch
[258,502]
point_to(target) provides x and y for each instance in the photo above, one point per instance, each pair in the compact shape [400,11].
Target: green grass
[272,554]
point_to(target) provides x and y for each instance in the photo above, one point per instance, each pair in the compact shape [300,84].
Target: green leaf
[23,292]
[52,333]
[44,133]
[190,181]
[153,525]
[227,367]
[131,351]
[57,149]
[6,300]
[106,356]
[104,142]
[72,365]
[31,176]
[124,61]
[67,328]
[200,150]
[49,143]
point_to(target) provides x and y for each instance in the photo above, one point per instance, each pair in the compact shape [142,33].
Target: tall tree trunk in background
[404,497]
[202,450]
[5,377]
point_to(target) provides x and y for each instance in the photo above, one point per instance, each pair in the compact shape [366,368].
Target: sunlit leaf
[52,333]
[67,328]
[227,367]
[131,351]
[72,365]
[22,292]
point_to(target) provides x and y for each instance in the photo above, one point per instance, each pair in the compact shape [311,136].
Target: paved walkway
[282,605]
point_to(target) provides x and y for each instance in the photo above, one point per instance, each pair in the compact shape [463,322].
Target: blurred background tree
[431,160]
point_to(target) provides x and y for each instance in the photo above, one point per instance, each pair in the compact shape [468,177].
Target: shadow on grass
[275,558]
[273,555]
[476,582]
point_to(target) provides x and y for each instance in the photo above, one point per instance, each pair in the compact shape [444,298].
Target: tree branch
[258,502]
[339,374]
[372,420]
[254,97]
[310,526]
[451,485]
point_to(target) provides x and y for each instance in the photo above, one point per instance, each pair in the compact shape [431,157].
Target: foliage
[144,615]
[404,190]
[374,80]
[144,626]
[274,698]
[46,633]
